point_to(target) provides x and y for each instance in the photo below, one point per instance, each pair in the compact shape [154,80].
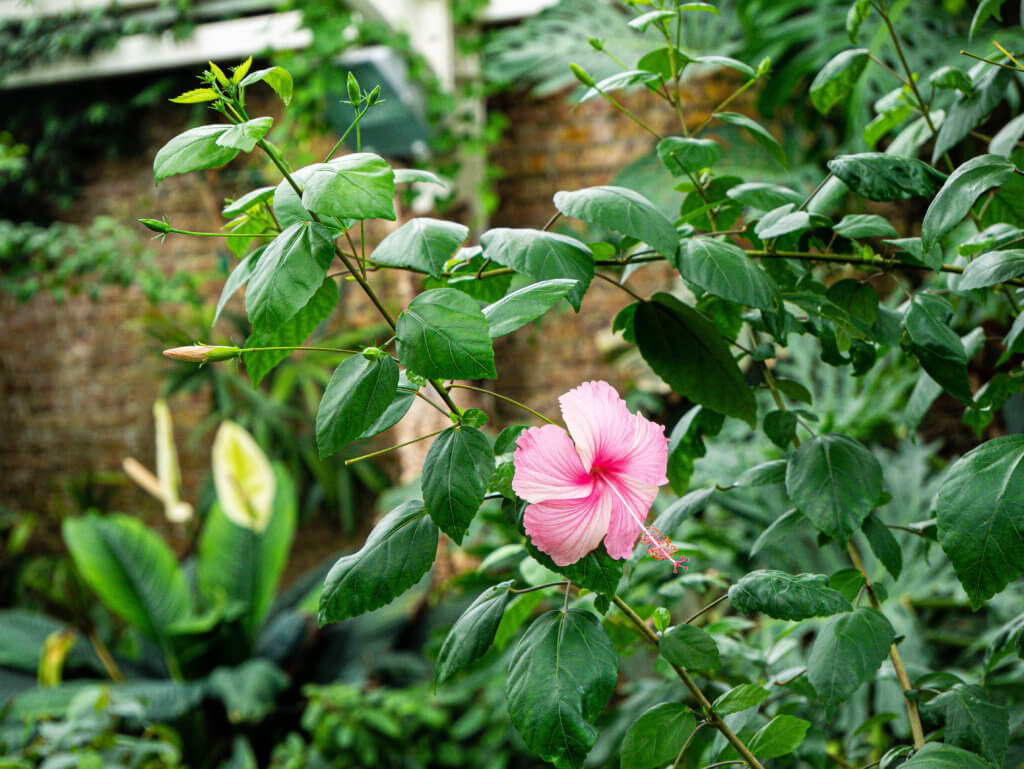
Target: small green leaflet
[980,511]
[1004,142]
[835,482]
[398,552]
[764,197]
[779,737]
[423,244]
[277,78]
[722,269]
[685,155]
[764,474]
[193,150]
[641,22]
[690,648]
[865,226]
[248,200]
[515,310]
[936,345]
[619,80]
[360,391]
[936,755]
[880,176]
[758,133]
[847,652]
[356,186]
[472,634]
[993,268]
[837,78]
[855,18]
[245,136]
[958,193]
[542,256]
[654,740]
[562,673]
[951,78]
[973,722]
[455,475]
[739,698]
[786,596]
[444,334]
[409,175]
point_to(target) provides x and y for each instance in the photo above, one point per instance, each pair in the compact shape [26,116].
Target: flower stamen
[658,545]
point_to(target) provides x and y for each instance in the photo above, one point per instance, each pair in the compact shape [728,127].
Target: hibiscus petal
[646,458]
[568,529]
[599,421]
[548,467]
[631,501]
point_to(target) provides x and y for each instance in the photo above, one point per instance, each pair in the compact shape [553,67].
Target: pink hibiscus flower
[598,484]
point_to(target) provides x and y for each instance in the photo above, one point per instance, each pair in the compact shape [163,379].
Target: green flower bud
[596,43]
[353,89]
[581,75]
[202,353]
[374,96]
[163,227]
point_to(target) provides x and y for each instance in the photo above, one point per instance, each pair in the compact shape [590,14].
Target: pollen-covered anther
[660,548]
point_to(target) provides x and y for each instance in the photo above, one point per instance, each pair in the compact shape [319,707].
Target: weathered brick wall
[78,379]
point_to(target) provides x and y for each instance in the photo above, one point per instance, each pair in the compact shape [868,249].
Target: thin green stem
[348,130]
[689,739]
[299,347]
[616,283]
[611,100]
[505,398]
[539,587]
[990,61]
[714,719]
[707,608]
[723,104]
[677,102]
[176,231]
[814,192]
[391,448]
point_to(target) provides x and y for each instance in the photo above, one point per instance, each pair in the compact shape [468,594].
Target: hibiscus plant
[761,269]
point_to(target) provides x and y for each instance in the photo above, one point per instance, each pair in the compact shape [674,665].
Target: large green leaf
[524,305]
[444,334]
[562,673]
[936,755]
[356,186]
[847,652]
[880,176]
[542,256]
[724,270]
[473,632]
[455,475]
[958,193]
[291,333]
[687,351]
[360,391]
[936,345]
[277,78]
[835,482]
[980,512]
[620,209]
[836,79]
[288,274]
[24,637]
[422,244]
[969,110]
[973,722]
[656,737]
[683,155]
[193,150]
[779,737]
[786,596]
[398,552]
[237,564]
[244,136]
[131,569]
[992,268]
[690,648]
[759,134]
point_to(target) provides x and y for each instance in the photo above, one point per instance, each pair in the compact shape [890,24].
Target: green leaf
[292,332]
[837,78]
[688,353]
[289,272]
[786,596]
[409,175]
[473,632]
[764,197]
[623,210]
[249,200]
[562,673]
[690,648]
[641,22]
[936,345]
[980,511]
[758,133]
[422,244]
[705,7]
[400,405]
[986,8]
[879,176]
[847,652]
[883,545]
[542,256]
[444,334]
[764,474]
[779,737]
[858,300]
[238,278]
[654,740]
[726,61]
[356,186]
[528,303]
[245,136]
[681,155]
[398,552]
[358,394]
[725,270]
[848,582]
[855,18]
[935,755]
[959,192]
[1005,142]
[455,475]
[192,150]
[237,564]
[951,78]
[660,61]
[249,691]
[131,569]
[786,221]
[22,644]
[780,427]
[865,226]
[993,268]
[619,80]
[973,722]
[277,78]
[739,698]
[835,482]
[968,112]
[195,96]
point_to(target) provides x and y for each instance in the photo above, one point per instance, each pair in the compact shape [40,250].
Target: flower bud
[201,353]
[581,75]
[374,96]
[596,43]
[163,227]
[353,89]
